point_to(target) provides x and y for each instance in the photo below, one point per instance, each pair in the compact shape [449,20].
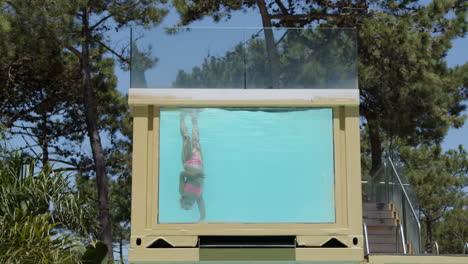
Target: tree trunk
[121,250]
[270,45]
[43,139]
[90,109]
[428,235]
[376,147]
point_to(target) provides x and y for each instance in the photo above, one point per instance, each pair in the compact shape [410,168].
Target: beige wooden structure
[146,230]
[152,242]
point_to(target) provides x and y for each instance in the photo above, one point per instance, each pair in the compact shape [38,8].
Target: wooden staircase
[382,228]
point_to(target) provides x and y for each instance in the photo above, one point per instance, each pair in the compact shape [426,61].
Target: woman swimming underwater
[192,177]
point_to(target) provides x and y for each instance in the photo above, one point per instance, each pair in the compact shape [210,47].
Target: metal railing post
[435,248]
[403,217]
[403,240]
[366,237]
[387,187]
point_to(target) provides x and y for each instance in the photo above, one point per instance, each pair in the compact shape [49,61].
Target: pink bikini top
[190,188]
[194,160]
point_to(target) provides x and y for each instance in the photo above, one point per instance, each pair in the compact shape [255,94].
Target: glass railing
[244,58]
[389,185]
[405,201]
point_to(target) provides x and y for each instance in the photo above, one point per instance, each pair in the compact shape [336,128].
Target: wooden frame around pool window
[145,104]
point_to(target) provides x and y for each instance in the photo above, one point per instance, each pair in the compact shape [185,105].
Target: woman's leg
[196,147]
[201,208]
[186,145]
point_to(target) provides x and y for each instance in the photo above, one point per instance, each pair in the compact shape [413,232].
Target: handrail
[465,248]
[403,241]
[436,247]
[407,199]
[366,238]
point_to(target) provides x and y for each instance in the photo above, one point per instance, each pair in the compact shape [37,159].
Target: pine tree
[79,27]
[451,232]
[438,180]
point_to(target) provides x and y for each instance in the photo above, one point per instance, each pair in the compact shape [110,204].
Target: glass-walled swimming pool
[244,58]
[246,165]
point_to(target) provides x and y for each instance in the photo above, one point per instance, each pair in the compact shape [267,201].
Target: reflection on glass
[245,58]
[246,165]
[304,58]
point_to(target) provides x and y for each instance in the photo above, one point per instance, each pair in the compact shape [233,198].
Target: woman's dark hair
[187,202]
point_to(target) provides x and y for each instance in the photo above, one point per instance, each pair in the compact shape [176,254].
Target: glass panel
[375,190]
[244,58]
[301,58]
[187,58]
[258,165]
[403,207]
[384,187]
[412,230]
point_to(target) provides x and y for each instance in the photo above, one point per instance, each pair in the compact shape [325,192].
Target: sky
[458,55]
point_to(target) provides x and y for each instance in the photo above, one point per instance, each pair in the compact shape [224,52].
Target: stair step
[380,222]
[378,214]
[385,248]
[376,206]
[381,230]
[382,239]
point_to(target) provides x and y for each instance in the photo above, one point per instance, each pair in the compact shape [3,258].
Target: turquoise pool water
[259,166]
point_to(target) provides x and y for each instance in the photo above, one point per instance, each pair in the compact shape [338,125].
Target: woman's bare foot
[194,114]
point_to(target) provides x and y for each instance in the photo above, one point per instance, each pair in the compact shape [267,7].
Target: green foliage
[2,138]
[43,100]
[407,91]
[44,92]
[5,28]
[95,254]
[405,85]
[32,239]
[42,218]
[40,89]
[141,61]
[451,232]
[283,13]
[194,10]
[439,180]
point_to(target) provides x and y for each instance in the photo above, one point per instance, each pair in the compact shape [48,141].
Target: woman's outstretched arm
[201,208]
[181,183]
